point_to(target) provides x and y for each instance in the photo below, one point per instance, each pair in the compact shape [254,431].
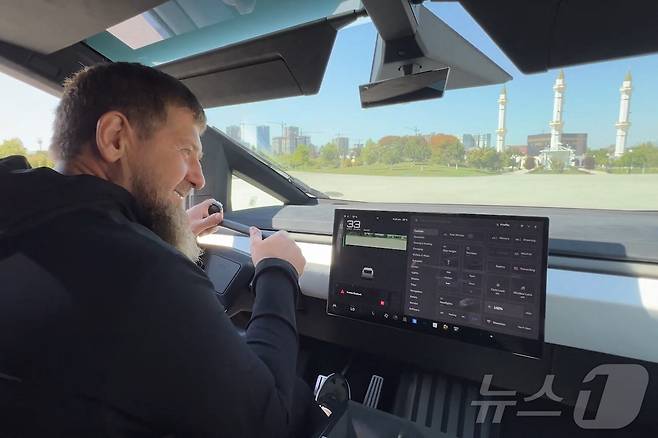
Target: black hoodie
[106,330]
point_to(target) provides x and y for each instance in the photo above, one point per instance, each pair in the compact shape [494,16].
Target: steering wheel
[229,269]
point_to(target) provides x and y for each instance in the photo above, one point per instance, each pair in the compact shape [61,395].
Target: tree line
[643,155]
[14,146]
[439,149]
[447,150]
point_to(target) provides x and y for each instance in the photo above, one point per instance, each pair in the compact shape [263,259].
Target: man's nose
[195,175]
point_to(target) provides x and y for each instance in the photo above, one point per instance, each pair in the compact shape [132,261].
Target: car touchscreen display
[476,278]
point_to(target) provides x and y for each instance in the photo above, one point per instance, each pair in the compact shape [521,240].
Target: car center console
[475,278]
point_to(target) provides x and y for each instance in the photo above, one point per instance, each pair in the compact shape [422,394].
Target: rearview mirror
[424,85]
[413,45]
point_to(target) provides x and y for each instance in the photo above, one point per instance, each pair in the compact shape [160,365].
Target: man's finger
[255,235]
[212,220]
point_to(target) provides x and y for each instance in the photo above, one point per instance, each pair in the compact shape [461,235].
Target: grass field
[635,170]
[401,169]
[568,171]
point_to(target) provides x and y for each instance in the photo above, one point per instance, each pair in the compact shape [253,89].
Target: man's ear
[112,133]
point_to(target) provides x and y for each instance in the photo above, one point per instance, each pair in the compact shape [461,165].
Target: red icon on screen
[342,292]
[382,303]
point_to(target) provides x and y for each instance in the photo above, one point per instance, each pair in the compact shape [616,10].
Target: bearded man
[107,326]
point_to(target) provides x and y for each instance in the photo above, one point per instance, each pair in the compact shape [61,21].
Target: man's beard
[167,220]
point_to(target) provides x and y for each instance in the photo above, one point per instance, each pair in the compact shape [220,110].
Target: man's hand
[279,245]
[200,222]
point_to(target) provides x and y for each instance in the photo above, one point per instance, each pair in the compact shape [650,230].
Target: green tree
[13,146]
[390,149]
[508,158]
[416,149]
[643,154]
[449,154]
[485,158]
[40,159]
[371,152]
[391,154]
[283,160]
[446,150]
[329,155]
[301,157]
[600,156]
[639,156]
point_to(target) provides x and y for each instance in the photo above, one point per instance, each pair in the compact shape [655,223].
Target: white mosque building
[557,150]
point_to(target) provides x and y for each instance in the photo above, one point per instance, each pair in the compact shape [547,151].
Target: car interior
[430,311]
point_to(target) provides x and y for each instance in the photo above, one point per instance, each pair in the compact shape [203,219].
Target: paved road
[636,192]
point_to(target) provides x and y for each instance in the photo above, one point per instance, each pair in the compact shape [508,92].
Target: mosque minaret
[558,102]
[500,132]
[624,110]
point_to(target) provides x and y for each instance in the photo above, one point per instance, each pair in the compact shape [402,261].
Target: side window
[245,195]
[26,121]
[15,146]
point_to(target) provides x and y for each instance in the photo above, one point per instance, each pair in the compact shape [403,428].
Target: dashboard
[608,313]
[474,278]
[590,318]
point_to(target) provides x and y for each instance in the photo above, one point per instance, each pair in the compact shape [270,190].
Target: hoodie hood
[32,197]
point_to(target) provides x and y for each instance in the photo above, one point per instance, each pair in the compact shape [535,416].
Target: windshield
[581,137]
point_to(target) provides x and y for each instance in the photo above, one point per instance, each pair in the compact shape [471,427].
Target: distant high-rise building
[289,140]
[277,145]
[248,135]
[233,131]
[303,139]
[482,140]
[343,145]
[471,141]
[468,141]
[290,131]
[263,138]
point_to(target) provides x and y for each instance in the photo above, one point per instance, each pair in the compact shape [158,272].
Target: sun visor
[541,35]
[46,26]
[283,64]
[419,41]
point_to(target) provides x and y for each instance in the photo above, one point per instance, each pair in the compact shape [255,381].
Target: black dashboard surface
[597,234]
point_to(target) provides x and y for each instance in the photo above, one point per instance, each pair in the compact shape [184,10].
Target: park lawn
[400,169]
[569,171]
[635,170]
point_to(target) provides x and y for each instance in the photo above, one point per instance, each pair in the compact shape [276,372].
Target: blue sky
[591,104]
